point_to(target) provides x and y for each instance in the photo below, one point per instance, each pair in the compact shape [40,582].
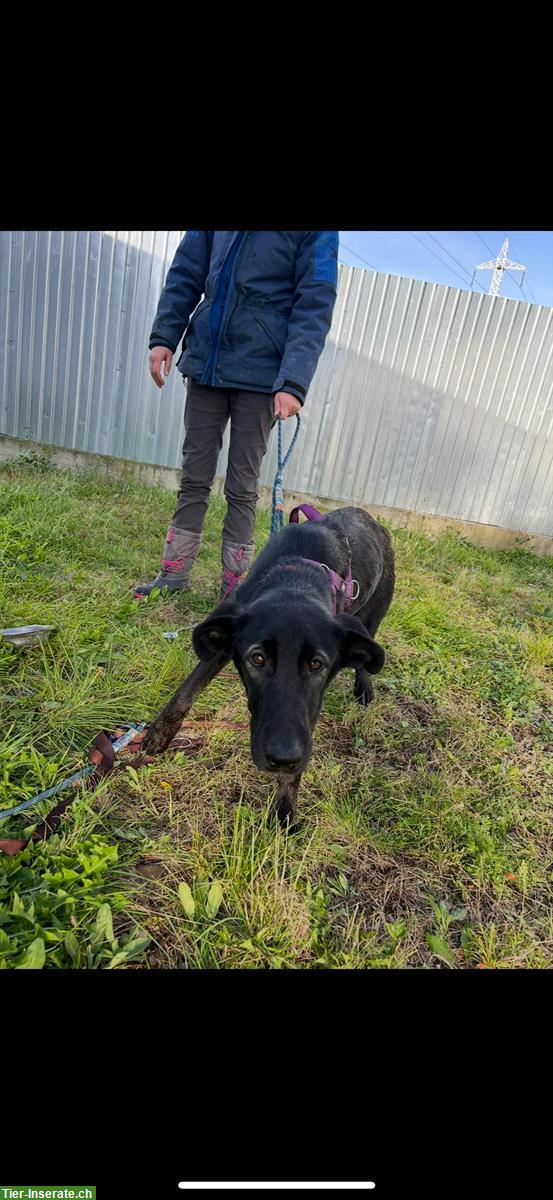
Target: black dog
[287,632]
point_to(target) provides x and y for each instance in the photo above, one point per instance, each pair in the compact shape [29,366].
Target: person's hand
[286,405]
[159,362]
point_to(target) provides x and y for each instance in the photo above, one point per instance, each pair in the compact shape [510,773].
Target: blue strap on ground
[65,783]
[277,520]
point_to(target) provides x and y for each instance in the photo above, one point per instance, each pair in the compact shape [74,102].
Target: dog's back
[372,558]
[345,535]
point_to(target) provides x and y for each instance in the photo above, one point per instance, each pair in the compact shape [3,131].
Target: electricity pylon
[499,265]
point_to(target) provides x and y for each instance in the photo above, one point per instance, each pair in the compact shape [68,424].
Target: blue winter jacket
[267,307]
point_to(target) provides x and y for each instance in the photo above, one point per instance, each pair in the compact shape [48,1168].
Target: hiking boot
[236,561]
[179,554]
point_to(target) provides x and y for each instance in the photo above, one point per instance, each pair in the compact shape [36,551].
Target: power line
[527,282]
[431,251]
[532,297]
[483,242]
[521,284]
[445,264]
[360,256]
[460,264]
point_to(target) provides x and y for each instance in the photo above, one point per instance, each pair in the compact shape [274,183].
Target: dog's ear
[216,633]
[357,647]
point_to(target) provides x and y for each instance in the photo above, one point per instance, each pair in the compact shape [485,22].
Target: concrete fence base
[490,536]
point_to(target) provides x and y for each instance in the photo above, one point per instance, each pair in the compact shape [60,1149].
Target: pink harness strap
[311,513]
[339,586]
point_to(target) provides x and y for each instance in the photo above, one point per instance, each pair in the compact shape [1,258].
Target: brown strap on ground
[100,753]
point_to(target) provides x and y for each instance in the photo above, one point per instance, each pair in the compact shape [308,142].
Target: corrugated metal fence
[426,398]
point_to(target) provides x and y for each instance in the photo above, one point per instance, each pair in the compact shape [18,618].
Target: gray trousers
[206,414]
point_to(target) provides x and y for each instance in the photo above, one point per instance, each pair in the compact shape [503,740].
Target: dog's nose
[286,765]
[284,756]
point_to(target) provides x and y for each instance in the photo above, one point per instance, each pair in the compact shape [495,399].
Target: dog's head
[286,652]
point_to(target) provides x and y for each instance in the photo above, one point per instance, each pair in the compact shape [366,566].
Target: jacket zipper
[211,368]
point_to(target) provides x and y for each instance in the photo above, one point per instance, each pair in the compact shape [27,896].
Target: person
[249,354]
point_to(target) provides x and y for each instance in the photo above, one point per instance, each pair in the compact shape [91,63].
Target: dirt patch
[150,867]
[340,740]
[417,711]
[389,887]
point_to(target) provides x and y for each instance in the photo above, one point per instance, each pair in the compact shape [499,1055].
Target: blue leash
[60,787]
[277,520]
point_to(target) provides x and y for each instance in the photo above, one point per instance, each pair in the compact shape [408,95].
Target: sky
[417,254]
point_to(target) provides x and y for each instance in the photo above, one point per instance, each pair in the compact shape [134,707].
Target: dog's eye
[315,664]
[257,659]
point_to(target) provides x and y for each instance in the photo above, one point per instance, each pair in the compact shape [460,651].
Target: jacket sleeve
[311,316]
[183,289]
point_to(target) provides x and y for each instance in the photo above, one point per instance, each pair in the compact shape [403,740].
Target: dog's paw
[287,819]
[285,809]
[157,739]
[363,693]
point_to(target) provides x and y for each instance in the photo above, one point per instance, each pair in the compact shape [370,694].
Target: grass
[426,834]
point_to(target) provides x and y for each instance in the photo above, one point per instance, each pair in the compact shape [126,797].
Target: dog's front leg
[167,724]
[363,688]
[286,798]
